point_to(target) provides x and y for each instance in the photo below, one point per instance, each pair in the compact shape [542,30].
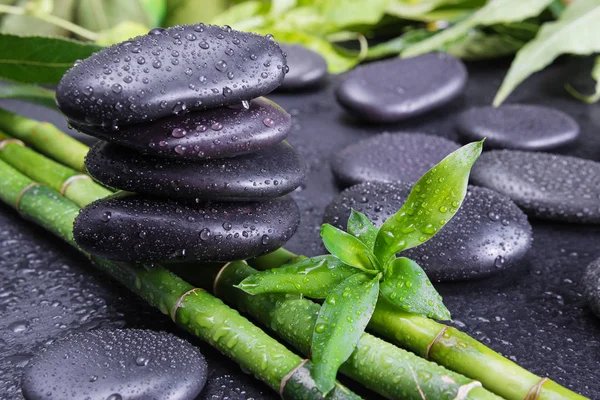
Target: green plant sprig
[362,266]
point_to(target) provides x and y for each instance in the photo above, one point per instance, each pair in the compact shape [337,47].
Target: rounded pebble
[591,286]
[307,68]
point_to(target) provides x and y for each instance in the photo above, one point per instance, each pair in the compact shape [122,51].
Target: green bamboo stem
[196,311]
[46,138]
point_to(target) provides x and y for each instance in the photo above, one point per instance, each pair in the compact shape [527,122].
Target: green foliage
[102,15]
[347,248]
[592,98]
[30,93]
[30,25]
[361,227]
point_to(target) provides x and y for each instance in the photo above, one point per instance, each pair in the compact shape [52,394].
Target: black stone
[269,173]
[518,126]
[397,89]
[308,68]
[489,234]
[591,286]
[137,228]
[170,72]
[114,365]
[390,157]
[545,186]
[215,133]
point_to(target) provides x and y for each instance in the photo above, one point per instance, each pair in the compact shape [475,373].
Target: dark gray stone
[137,228]
[170,71]
[390,157]
[518,126]
[116,364]
[397,89]
[269,173]
[488,235]
[215,133]
[308,68]
[591,286]
[545,186]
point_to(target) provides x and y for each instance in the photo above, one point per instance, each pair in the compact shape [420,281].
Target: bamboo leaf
[347,248]
[432,202]
[361,227]
[340,324]
[30,93]
[123,31]
[101,15]
[575,32]
[243,16]
[342,13]
[592,98]
[479,45]
[406,285]
[314,277]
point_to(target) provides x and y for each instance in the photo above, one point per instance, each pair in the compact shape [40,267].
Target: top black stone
[170,71]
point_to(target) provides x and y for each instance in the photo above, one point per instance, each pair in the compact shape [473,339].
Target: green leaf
[30,25]
[347,248]
[30,93]
[419,10]
[38,59]
[397,45]
[479,45]
[243,16]
[181,12]
[575,32]
[592,98]
[494,12]
[432,202]
[102,15]
[406,285]
[156,10]
[121,32]
[340,324]
[343,13]
[361,227]
[314,277]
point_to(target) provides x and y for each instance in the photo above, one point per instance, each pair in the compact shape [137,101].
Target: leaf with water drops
[340,324]
[313,277]
[406,285]
[347,248]
[432,202]
[361,227]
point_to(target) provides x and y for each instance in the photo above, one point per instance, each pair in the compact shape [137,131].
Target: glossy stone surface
[396,89]
[488,235]
[215,133]
[269,173]
[168,72]
[591,286]
[307,68]
[517,126]
[546,186]
[116,364]
[388,157]
[137,228]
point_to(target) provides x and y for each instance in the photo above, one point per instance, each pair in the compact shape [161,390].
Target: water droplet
[320,328]
[217,126]
[204,45]
[105,217]
[117,88]
[227,91]
[156,64]
[178,133]
[88,90]
[268,122]
[142,361]
[156,31]
[221,66]
[205,234]
[227,226]
[265,239]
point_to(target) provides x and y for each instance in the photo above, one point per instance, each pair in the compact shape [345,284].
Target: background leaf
[123,31]
[592,98]
[576,32]
[344,13]
[243,16]
[406,285]
[181,12]
[346,247]
[340,324]
[102,15]
[30,25]
[30,93]
[361,227]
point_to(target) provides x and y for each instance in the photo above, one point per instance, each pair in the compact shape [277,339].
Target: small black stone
[308,68]
[390,157]
[177,70]
[114,365]
[488,234]
[269,173]
[591,286]
[138,228]
[397,89]
[215,133]
[545,186]
[518,126]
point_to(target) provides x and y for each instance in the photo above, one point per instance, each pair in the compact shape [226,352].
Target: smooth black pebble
[545,186]
[308,68]
[115,365]
[517,126]
[388,157]
[215,133]
[138,228]
[269,173]
[591,286]
[489,233]
[397,89]
[170,71]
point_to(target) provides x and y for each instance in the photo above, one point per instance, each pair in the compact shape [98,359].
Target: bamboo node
[536,390]
[464,390]
[435,339]
[215,282]
[23,191]
[180,300]
[287,377]
[72,179]
[4,142]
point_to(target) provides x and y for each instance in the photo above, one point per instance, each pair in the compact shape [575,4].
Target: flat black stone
[269,173]
[545,186]
[215,133]
[388,157]
[397,89]
[518,126]
[116,364]
[591,286]
[168,72]
[138,228]
[308,68]
[488,235]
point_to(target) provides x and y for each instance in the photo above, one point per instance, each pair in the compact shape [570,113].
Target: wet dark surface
[535,315]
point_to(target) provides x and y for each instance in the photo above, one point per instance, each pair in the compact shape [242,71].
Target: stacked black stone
[185,132]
